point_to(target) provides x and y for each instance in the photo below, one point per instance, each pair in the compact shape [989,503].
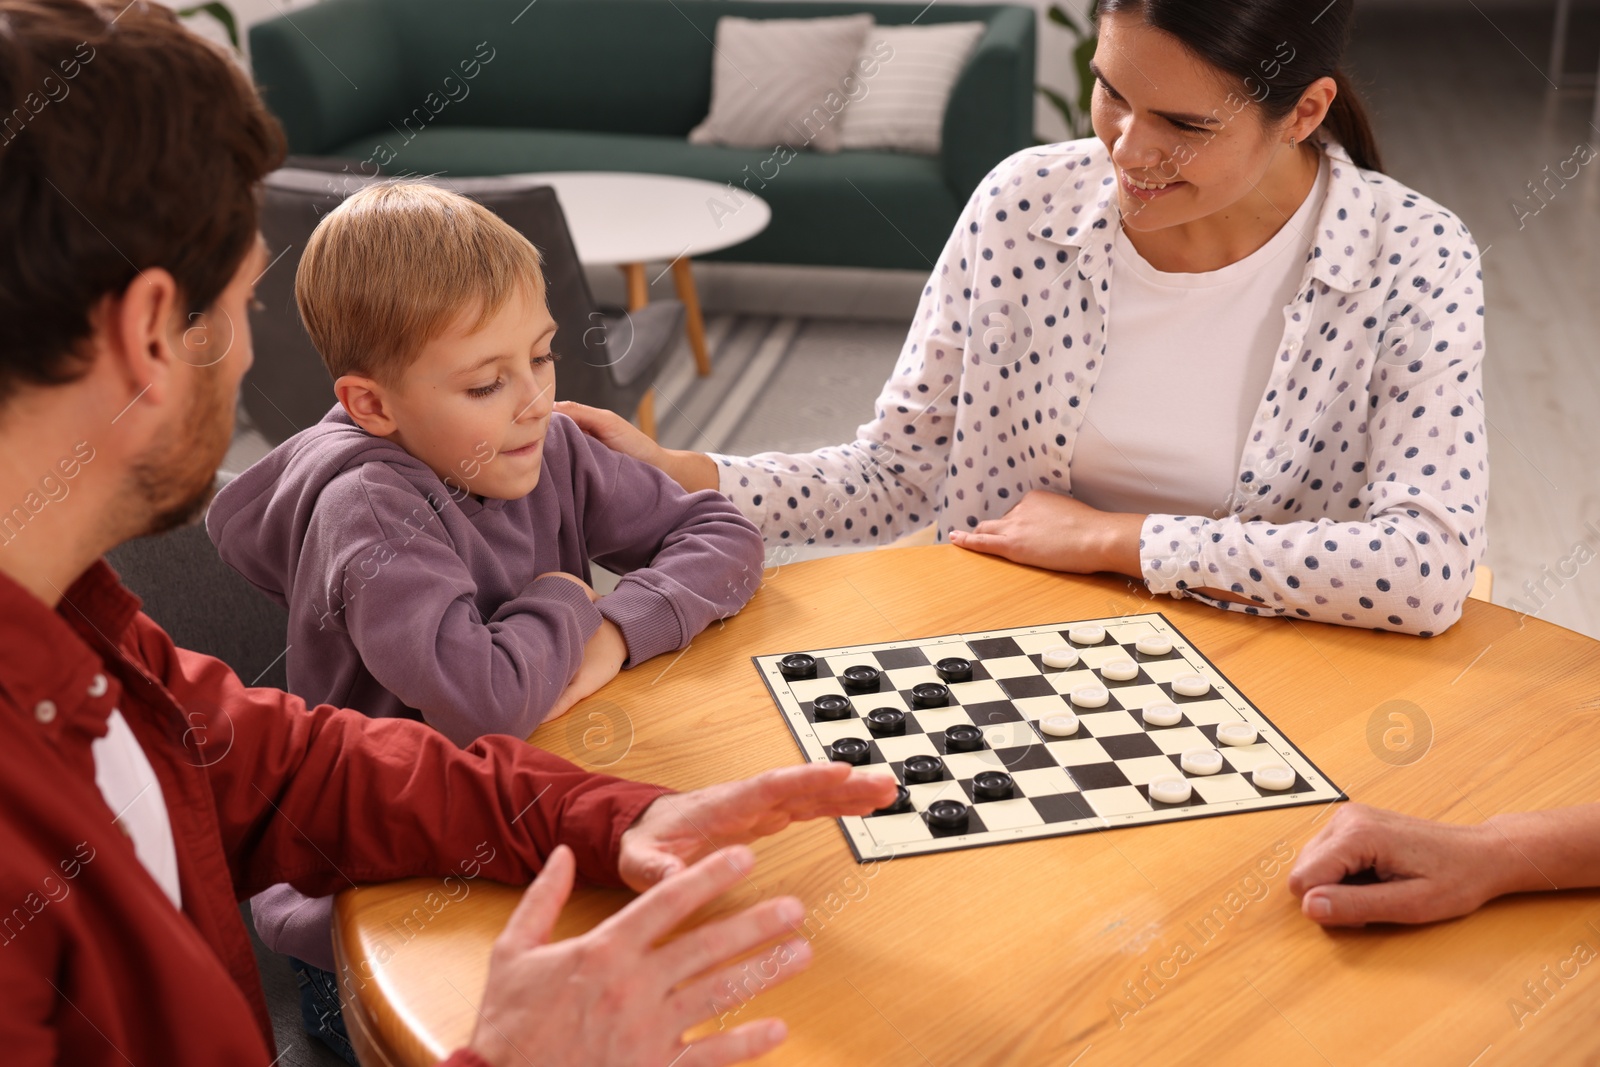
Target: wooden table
[627,220]
[1067,950]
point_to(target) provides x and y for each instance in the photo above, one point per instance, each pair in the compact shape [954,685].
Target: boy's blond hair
[393,267]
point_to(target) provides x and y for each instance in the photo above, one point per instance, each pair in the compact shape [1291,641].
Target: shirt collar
[53,664]
[1083,214]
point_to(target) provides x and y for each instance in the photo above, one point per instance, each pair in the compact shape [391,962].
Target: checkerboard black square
[1031,685]
[994,648]
[1129,746]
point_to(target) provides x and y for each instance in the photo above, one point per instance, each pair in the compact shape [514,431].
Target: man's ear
[136,328]
[367,403]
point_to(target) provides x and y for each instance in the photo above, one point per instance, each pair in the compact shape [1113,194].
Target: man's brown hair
[126,143]
[395,265]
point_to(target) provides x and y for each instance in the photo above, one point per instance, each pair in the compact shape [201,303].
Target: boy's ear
[366,403]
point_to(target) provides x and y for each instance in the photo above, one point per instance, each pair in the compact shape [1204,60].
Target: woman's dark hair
[1277,48]
[126,142]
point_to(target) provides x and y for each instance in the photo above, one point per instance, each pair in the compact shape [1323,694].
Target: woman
[1214,349]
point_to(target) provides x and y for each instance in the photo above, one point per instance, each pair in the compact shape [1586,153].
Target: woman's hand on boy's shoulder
[613,431]
[693,471]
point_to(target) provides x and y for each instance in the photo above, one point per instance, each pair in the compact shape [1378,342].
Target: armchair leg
[694,321]
[645,416]
[638,285]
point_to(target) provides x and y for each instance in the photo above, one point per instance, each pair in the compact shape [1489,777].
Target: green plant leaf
[1080,58]
[1059,16]
[221,13]
[1068,114]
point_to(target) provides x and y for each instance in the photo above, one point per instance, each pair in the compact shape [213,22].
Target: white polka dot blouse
[1361,494]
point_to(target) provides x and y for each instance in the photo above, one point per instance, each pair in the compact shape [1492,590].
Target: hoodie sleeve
[687,559]
[421,637]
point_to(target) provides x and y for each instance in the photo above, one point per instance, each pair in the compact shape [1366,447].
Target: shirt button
[98,686]
[45,711]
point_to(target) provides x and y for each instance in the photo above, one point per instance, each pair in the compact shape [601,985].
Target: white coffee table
[628,220]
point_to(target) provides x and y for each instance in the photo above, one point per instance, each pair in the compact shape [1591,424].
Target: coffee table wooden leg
[694,322]
[638,285]
[645,416]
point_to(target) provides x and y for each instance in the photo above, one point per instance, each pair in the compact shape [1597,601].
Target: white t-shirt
[1187,361]
[133,793]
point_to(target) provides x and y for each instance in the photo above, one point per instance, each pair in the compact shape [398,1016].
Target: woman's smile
[1144,189]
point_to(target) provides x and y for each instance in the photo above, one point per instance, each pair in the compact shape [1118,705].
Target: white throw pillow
[781,81]
[917,67]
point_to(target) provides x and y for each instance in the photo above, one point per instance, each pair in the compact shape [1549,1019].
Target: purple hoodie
[409,599]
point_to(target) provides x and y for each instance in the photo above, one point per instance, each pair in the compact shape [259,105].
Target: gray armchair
[610,357]
[204,604]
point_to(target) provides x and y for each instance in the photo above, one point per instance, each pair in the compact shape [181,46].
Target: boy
[432,535]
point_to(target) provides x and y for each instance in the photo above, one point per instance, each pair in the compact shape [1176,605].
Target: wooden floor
[1465,115]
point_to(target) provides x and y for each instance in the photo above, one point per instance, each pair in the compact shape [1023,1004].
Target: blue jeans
[320,1013]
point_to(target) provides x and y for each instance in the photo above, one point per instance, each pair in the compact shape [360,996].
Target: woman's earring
[1292,143]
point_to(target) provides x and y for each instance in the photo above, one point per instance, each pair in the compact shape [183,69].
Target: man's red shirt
[96,965]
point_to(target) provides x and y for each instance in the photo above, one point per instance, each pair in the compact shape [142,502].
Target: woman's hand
[1058,533]
[692,470]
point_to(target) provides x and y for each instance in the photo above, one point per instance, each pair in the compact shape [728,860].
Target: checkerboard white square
[1089,782]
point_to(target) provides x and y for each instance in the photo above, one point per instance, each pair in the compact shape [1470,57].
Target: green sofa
[476,87]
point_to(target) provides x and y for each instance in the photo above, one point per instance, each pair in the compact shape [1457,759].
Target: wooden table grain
[1179,942]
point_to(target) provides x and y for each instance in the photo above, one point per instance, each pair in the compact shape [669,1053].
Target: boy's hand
[594,598]
[603,657]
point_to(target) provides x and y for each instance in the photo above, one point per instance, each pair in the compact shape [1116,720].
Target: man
[130,153]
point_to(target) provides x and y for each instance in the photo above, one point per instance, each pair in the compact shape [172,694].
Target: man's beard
[175,479]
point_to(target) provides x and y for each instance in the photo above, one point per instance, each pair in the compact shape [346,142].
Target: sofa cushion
[903,106]
[801,77]
[857,208]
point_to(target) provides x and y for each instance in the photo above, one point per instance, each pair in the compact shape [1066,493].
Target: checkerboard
[1094,780]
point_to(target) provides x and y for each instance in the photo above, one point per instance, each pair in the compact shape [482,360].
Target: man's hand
[1058,533]
[678,829]
[1427,870]
[603,657]
[611,997]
